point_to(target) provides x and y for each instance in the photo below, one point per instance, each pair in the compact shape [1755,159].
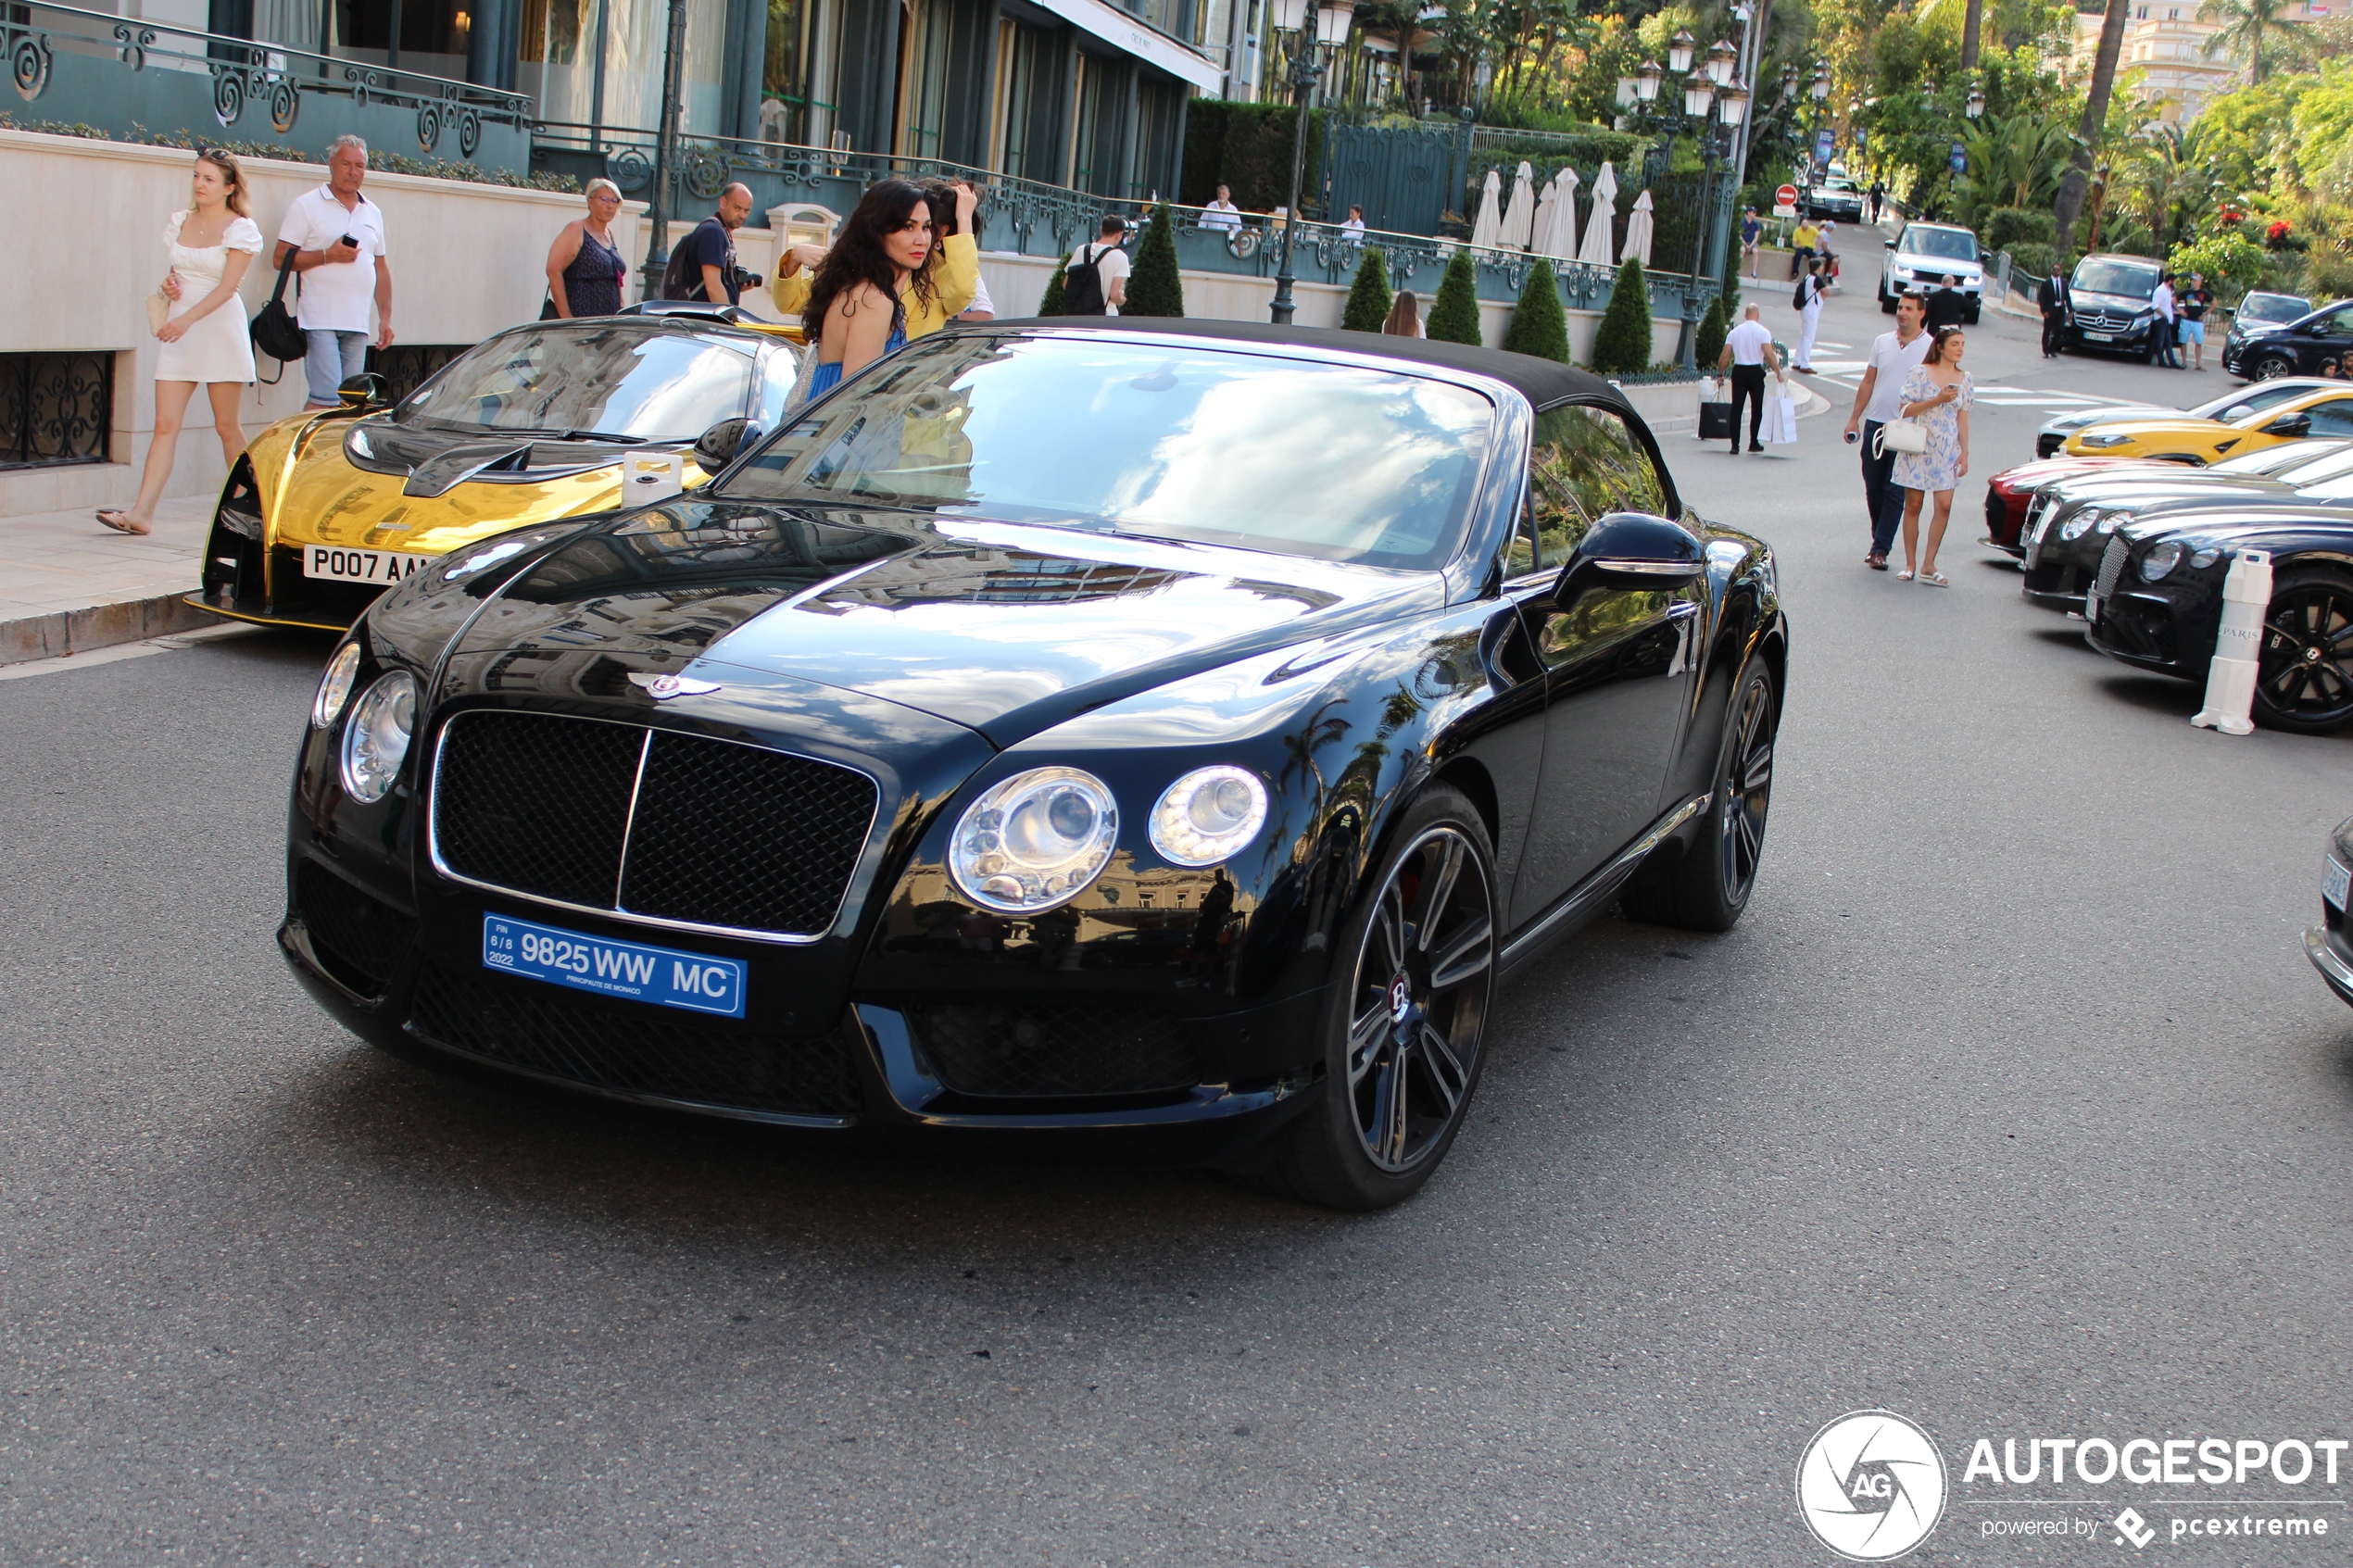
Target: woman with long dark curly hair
[879,271]
[954,273]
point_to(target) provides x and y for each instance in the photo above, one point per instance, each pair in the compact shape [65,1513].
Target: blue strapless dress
[829,376]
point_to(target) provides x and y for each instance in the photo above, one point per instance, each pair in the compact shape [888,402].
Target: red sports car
[2011,491]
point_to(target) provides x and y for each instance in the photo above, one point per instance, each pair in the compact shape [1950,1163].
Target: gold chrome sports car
[2183,439]
[329,509]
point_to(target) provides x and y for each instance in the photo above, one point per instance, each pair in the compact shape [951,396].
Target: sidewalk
[68,585]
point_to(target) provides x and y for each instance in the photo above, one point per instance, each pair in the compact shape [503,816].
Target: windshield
[650,384]
[1951,243]
[2272,307]
[2250,399]
[1171,442]
[2288,457]
[2136,280]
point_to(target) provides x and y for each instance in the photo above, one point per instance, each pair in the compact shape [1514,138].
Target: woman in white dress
[204,335]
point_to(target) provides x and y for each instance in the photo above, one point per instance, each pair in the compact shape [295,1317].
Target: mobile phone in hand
[347,240]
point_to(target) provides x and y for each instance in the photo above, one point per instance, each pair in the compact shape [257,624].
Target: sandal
[1935,580]
[1905,575]
[121,522]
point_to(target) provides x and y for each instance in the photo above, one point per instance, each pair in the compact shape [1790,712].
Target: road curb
[67,632]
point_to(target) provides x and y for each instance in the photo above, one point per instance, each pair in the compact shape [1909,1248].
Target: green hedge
[2031,262]
[2006,228]
[1248,146]
[1622,343]
[1368,296]
[1153,286]
[1539,325]
[1454,315]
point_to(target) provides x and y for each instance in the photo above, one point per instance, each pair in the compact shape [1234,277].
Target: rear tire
[1886,300]
[1399,1074]
[2272,367]
[1707,886]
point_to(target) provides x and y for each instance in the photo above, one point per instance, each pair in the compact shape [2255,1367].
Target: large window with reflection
[1178,442]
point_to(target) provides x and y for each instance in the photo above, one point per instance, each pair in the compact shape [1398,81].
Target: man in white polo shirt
[1748,354]
[337,237]
[1877,402]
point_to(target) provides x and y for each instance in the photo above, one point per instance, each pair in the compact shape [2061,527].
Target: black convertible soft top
[1542,382]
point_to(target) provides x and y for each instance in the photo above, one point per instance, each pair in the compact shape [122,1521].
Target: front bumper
[2134,339]
[417,988]
[2332,956]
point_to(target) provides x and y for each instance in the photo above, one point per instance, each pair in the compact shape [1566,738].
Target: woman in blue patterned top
[1936,395]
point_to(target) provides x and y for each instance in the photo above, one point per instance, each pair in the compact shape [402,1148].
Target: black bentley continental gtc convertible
[1161,733]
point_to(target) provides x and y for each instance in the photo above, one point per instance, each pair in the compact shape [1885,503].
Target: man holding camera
[704,267]
[336,239]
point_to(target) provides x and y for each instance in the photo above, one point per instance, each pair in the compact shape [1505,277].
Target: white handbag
[1900,435]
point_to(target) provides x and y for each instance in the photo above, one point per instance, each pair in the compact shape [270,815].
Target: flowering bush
[2276,236]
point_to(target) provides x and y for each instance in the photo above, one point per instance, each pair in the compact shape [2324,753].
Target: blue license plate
[661,975]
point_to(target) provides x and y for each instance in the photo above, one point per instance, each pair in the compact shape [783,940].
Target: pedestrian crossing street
[1848,374]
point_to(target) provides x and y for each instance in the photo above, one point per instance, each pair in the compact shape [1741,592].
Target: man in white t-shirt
[1877,401]
[2162,328]
[1355,224]
[337,237]
[1748,351]
[1222,214]
[1110,262]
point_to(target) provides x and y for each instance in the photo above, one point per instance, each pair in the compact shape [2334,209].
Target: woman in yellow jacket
[954,282]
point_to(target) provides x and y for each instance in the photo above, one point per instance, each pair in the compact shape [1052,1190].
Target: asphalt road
[2012,1106]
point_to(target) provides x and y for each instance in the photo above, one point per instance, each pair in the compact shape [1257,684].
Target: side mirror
[1891,245]
[365,390]
[1631,551]
[2290,424]
[718,445]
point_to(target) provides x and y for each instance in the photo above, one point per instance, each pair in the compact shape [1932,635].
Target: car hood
[2119,489]
[2082,418]
[2233,524]
[2199,430]
[1967,271]
[2110,301]
[1004,628]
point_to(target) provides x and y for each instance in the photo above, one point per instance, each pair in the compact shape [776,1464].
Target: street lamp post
[673,59]
[1332,21]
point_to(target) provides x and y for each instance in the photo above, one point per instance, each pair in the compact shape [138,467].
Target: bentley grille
[2111,566]
[649,823]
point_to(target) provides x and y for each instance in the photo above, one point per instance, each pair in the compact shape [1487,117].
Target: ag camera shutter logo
[1870,1486]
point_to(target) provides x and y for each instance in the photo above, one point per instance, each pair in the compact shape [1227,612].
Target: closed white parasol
[1601,223]
[1638,231]
[1563,241]
[1540,239]
[1489,217]
[1519,214]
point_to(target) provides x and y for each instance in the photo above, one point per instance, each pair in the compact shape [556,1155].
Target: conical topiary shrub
[1622,343]
[1154,287]
[1368,296]
[1454,315]
[1707,345]
[1539,325]
[1051,302]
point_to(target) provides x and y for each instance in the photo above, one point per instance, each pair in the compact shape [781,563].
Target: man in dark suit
[1947,305]
[2052,298]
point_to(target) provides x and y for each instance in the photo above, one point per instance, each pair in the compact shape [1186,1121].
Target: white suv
[1923,255]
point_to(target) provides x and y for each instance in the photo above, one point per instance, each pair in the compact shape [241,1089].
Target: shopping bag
[1780,418]
[1715,420]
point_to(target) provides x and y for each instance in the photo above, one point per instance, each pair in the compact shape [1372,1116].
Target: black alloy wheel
[2272,367]
[1405,1029]
[2304,671]
[1707,886]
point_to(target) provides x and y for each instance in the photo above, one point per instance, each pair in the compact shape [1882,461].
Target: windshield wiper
[599,435]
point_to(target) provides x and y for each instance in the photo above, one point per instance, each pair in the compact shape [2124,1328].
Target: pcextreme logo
[1870,1486]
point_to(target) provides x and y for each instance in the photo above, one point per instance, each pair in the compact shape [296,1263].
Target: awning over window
[1128,35]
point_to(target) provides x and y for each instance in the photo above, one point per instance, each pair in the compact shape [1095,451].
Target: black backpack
[1083,284]
[1797,300]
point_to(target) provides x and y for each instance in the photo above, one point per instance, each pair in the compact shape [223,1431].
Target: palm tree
[2087,136]
[1972,24]
[2244,24]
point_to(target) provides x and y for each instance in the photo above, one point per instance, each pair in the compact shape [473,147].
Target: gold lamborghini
[2184,438]
[550,421]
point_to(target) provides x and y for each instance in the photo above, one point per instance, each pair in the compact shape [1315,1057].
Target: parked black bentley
[2330,944]
[2157,604]
[2070,522]
[1168,731]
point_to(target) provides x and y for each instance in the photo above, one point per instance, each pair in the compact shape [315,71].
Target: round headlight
[377,737]
[2204,557]
[2160,560]
[1209,815]
[2111,521]
[1034,840]
[334,687]
[2076,526]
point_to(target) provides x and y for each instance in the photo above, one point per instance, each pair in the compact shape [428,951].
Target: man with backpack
[1807,302]
[1095,278]
[703,267]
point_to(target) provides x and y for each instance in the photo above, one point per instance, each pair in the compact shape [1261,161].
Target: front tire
[1707,886]
[1404,1026]
[2304,666]
[2272,367]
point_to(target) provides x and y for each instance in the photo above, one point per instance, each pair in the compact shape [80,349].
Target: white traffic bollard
[2230,680]
[656,476]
